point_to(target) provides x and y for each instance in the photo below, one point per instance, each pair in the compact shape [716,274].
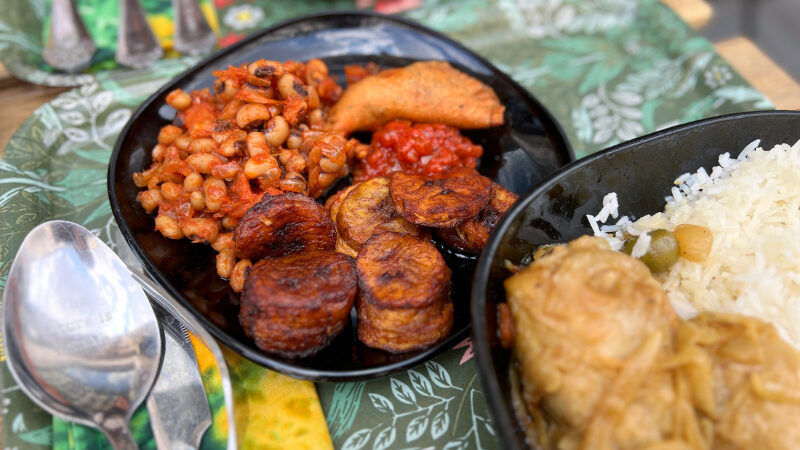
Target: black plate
[517,155]
[641,172]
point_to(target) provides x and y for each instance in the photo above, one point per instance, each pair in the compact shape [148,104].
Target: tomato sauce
[428,149]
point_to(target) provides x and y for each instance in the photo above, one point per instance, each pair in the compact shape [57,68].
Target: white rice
[751,204]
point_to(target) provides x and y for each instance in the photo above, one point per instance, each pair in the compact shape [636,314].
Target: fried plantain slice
[295,305]
[470,236]
[404,293]
[333,204]
[368,209]
[440,202]
[284,224]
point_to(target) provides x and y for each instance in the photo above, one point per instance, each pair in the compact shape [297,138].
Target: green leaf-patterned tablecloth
[609,70]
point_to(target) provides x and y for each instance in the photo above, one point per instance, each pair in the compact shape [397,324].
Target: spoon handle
[118,432]
[69,47]
[193,35]
[137,46]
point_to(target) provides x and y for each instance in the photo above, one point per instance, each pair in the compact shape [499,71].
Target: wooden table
[19,99]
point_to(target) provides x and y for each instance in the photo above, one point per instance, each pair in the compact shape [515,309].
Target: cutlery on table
[192,35]
[81,338]
[137,46]
[178,407]
[169,304]
[69,47]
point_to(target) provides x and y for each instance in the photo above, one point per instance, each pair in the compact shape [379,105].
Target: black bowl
[641,172]
[529,147]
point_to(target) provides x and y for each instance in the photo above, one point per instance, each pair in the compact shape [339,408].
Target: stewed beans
[259,132]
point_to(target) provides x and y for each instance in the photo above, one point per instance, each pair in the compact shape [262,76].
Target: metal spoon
[81,337]
[133,273]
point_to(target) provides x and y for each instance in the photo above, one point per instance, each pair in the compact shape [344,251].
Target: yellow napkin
[272,411]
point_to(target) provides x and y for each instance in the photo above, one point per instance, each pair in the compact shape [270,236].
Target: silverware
[192,35]
[137,46]
[164,300]
[69,47]
[178,407]
[81,338]
[171,305]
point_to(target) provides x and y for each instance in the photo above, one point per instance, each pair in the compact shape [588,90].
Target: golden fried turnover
[442,201]
[471,235]
[404,293]
[333,204]
[423,92]
[295,305]
[283,224]
[369,209]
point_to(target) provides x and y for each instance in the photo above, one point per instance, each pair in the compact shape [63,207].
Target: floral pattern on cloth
[608,70]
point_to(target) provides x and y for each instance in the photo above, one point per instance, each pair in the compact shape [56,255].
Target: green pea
[663,251]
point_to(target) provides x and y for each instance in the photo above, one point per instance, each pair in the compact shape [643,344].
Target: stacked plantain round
[299,296]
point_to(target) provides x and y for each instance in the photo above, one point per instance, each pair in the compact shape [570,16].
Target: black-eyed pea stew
[258,132]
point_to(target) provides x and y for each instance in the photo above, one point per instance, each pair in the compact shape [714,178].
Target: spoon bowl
[81,340]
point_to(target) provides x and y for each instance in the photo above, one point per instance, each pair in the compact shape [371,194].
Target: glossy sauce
[428,149]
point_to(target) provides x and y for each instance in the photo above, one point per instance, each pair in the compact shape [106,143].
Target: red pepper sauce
[428,149]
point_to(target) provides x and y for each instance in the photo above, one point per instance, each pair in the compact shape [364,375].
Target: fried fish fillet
[404,293]
[423,92]
[442,201]
[471,235]
[295,305]
[283,224]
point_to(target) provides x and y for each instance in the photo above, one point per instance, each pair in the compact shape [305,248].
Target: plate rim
[508,424]
[552,127]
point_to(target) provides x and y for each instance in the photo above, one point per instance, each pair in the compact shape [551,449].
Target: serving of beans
[260,132]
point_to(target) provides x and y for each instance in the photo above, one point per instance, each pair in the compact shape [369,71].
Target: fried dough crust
[404,293]
[369,209]
[471,235]
[284,224]
[423,92]
[295,305]
[440,202]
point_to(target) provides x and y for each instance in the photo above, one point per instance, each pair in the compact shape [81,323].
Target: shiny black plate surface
[525,150]
[641,172]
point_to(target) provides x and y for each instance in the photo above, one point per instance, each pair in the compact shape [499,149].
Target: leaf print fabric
[608,70]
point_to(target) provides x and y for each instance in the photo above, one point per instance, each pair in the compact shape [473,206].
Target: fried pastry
[440,202]
[470,236]
[424,92]
[368,209]
[404,293]
[284,224]
[295,305]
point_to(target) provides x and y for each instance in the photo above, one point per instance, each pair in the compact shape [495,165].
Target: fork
[137,46]
[69,47]
[193,36]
